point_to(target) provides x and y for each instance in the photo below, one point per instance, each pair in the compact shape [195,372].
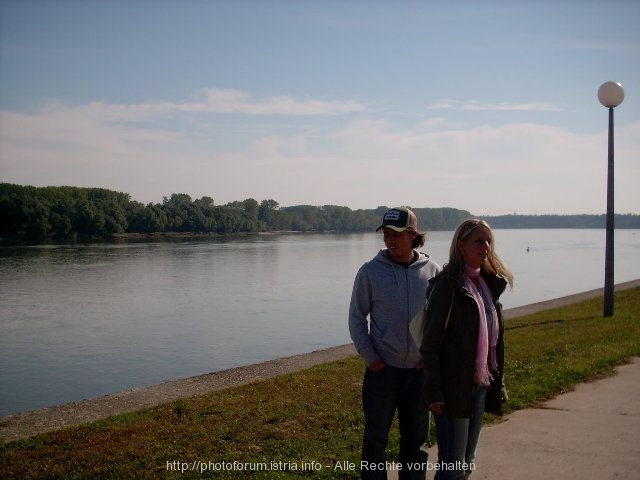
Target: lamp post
[610,95]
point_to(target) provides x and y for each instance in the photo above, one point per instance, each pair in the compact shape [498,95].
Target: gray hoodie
[391,296]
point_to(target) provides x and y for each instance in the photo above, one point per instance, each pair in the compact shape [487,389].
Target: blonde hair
[493,265]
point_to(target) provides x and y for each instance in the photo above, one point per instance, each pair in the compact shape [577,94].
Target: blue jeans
[458,439]
[383,392]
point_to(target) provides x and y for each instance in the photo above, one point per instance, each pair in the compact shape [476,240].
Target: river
[80,321]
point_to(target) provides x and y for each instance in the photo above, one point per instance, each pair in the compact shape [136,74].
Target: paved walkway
[590,432]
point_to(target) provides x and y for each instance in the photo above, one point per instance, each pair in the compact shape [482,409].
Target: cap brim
[392,227]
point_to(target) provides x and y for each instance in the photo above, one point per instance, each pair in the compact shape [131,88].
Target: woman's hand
[437,408]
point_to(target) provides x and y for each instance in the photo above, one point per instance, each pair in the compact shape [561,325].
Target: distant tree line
[37,213]
[562,221]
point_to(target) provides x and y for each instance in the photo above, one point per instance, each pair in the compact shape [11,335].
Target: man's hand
[377,365]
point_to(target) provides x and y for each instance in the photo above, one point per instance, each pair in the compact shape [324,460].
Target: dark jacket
[449,353]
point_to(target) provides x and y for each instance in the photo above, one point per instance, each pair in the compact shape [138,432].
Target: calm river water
[79,321]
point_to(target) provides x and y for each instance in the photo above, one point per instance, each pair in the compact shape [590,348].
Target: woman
[462,346]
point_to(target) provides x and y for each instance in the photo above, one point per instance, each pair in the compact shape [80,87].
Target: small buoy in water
[528,249]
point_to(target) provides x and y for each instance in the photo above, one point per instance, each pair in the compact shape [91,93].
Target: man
[388,292]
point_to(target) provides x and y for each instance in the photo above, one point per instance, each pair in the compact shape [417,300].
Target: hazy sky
[487,106]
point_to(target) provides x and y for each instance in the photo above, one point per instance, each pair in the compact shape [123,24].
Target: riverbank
[310,422]
[28,424]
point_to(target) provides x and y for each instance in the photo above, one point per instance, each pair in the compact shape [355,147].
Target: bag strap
[453,292]
[446,323]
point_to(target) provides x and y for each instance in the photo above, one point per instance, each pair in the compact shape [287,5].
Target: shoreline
[28,424]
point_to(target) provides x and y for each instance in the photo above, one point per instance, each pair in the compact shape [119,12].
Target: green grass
[549,352]
[314,416]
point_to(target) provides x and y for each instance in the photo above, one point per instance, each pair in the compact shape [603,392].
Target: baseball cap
[399,219]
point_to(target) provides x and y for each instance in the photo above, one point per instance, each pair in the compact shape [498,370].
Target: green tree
[37,225]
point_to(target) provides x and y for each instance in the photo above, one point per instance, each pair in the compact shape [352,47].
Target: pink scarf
[486,361]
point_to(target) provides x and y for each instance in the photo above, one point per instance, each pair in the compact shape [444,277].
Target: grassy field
[309,424]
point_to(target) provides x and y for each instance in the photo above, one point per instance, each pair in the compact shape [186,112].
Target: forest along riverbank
[28,424]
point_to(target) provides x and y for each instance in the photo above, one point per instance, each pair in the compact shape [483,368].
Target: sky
[486,106]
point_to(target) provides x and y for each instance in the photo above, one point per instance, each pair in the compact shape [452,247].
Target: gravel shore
[28,424]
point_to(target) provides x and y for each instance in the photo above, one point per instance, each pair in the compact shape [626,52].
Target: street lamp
[610,95]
